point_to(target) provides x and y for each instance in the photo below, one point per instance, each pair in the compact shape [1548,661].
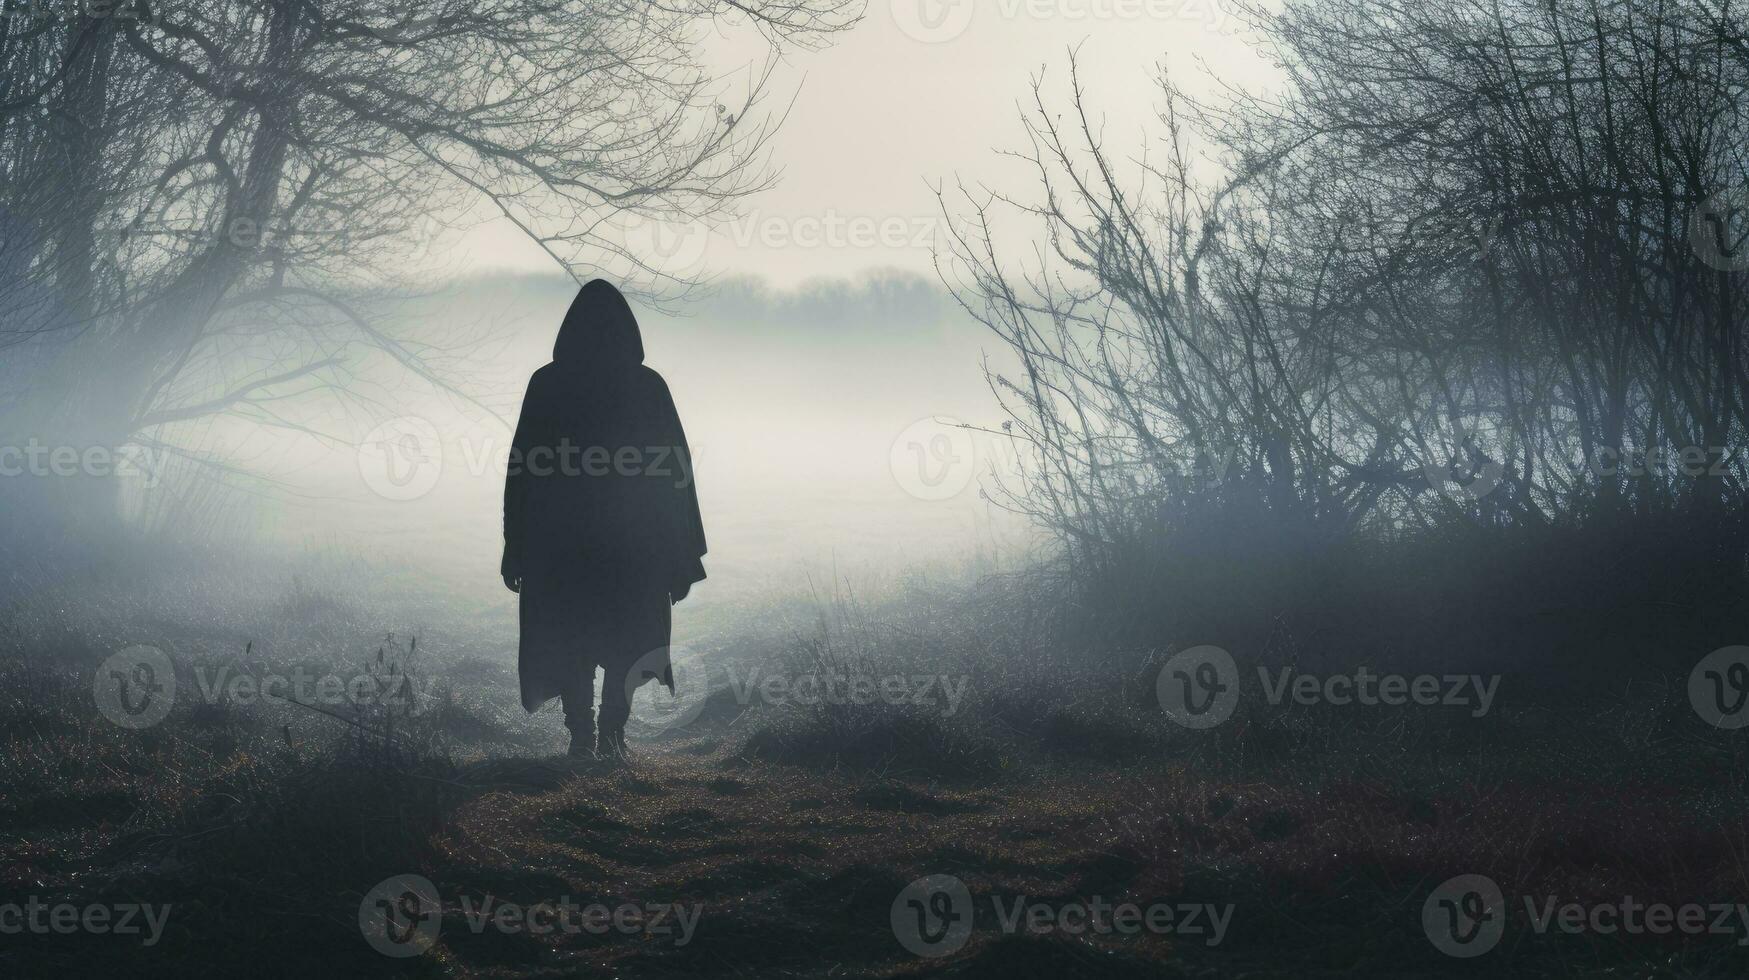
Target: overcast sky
[920,92]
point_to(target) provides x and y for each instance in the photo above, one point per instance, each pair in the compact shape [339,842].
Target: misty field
[759,836]
[1217,488]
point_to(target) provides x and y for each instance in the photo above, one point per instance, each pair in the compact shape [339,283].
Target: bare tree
[197,194]
[1471,266]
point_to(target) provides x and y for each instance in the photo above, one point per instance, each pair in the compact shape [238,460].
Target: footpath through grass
[1091,836]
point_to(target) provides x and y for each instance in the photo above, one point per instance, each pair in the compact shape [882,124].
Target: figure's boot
[582,742]
[580,720]
[577,698]
[612,744]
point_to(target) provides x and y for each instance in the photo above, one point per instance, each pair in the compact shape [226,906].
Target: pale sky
[921,92]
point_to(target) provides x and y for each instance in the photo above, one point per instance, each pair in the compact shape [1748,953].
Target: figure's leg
[616,707]
[578,698]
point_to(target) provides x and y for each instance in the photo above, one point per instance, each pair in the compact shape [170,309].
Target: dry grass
[795,827]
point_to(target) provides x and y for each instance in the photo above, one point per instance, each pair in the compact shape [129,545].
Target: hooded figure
[601,525]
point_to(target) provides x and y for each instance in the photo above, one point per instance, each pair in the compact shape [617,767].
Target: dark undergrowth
[793,821]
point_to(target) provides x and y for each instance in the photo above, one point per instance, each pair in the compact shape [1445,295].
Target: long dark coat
[601,520]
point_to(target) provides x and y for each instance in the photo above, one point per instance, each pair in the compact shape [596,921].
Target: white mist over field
[816,415]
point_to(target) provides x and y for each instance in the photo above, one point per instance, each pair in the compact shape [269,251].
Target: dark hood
[599,330]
